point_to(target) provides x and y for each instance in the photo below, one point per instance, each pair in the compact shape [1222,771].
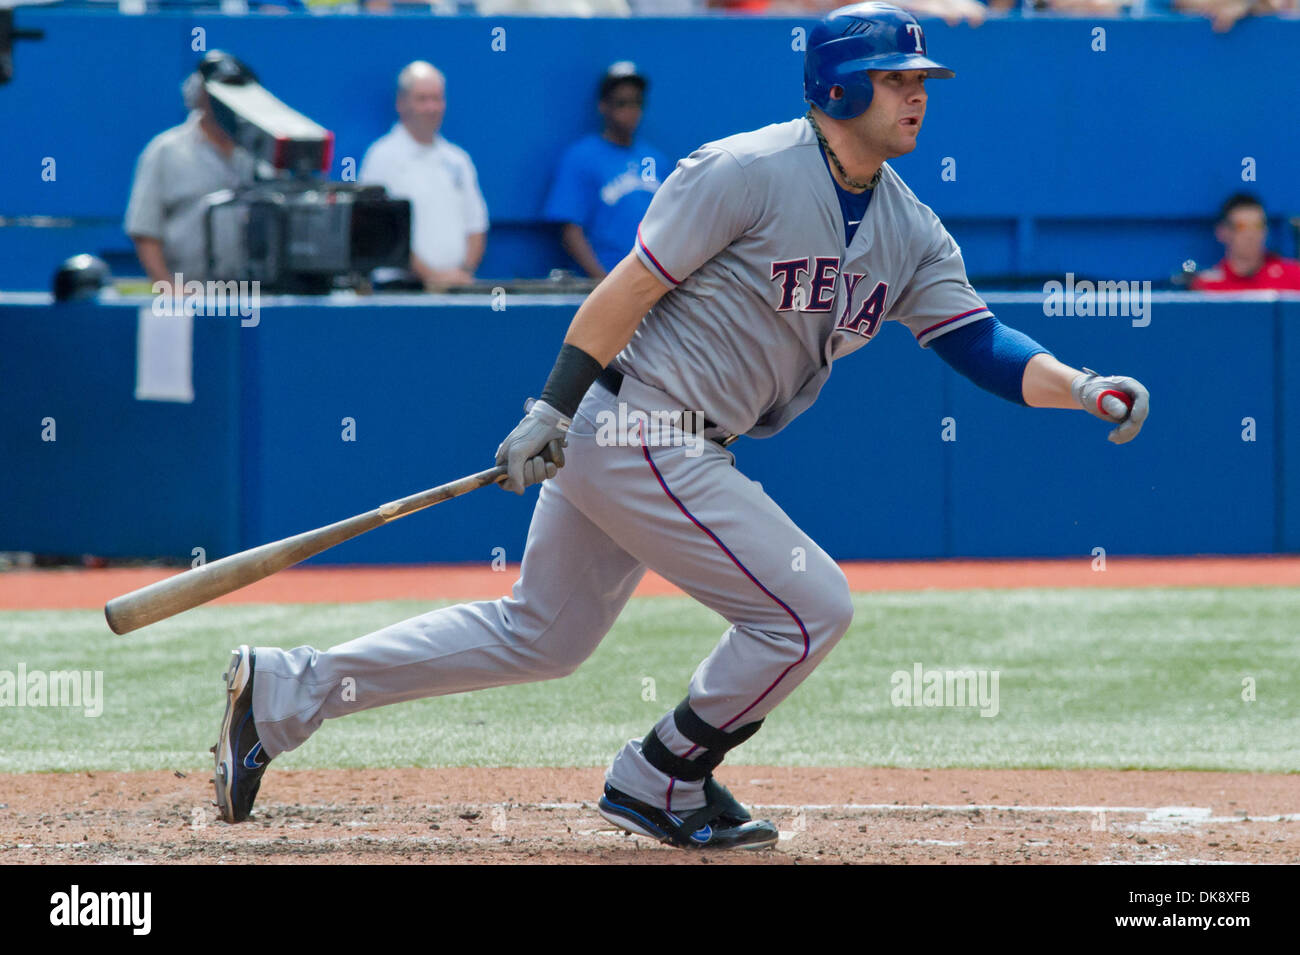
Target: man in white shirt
[449,218]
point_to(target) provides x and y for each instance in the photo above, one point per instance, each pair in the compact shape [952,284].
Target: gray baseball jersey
[748,235]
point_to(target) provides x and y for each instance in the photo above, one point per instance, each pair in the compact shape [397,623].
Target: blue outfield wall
[121,477]
[1287,402]
[1067,158]
[259,454]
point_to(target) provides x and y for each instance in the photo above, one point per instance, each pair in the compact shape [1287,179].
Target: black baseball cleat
[723,823]
[239,758]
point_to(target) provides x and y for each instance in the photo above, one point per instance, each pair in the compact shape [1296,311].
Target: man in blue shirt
[604,182]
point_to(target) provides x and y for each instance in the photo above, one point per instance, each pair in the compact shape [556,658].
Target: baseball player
[763,259]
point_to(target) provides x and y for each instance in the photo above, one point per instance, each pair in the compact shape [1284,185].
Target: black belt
[611,379]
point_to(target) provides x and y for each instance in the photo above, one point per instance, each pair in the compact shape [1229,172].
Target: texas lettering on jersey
[825,272]
[751,261]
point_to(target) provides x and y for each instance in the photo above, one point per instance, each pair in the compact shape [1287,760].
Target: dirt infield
[490,816]
[77,587]
[478,816]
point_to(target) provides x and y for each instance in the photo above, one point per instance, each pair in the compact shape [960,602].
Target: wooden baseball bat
[206,582]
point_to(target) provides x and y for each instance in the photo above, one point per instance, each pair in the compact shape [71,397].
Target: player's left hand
[1113,398]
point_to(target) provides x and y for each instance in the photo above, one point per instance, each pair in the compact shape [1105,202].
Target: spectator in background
[1088,8]
[1224,14]
[437,7]
[667,8]
[278,7]
[604,181]
[449,219]
[1104,8]
[165,215]
[1242,227]
[952,11]
[553,8]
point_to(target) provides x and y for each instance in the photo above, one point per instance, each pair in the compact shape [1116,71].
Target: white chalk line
[1171,814]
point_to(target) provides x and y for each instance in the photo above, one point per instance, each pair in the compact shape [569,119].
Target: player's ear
[837,92]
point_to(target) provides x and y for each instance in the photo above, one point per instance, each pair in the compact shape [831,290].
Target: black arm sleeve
[572,375]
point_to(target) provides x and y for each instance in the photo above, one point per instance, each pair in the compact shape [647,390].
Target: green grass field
[1147,679]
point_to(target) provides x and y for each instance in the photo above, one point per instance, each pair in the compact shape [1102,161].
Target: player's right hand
[1113,398]
[534,450]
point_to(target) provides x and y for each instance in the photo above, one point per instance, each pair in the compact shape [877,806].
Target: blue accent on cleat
[727,825]
[238,772]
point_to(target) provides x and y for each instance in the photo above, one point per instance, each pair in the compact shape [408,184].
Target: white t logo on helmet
[915,30]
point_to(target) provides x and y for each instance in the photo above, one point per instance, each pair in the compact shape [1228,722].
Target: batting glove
[534,450]
[1113,398]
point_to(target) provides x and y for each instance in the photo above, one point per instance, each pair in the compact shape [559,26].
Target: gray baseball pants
[650,497]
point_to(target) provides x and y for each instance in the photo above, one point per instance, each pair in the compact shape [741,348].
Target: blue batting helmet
[854,39]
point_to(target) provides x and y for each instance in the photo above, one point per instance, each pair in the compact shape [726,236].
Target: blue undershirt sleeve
[991,355]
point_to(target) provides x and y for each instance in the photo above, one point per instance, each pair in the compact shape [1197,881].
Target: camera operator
[165,215]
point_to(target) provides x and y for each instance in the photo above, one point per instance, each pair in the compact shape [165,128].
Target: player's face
[1244,232]
[897,110]
[422,107]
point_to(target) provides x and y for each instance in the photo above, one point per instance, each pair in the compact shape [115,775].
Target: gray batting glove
[1113,398]
[534,451]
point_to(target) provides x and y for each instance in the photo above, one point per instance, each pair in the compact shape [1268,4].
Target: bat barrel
[208,581]
[165,598]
